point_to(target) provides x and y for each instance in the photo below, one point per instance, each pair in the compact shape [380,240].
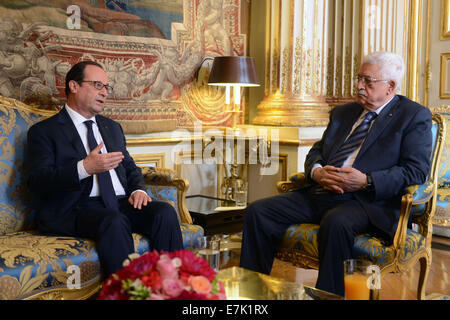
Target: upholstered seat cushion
[442,204]
[376,250]
[32,263]
[303,238]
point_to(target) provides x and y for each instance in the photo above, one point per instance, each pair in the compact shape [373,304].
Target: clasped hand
[340,180]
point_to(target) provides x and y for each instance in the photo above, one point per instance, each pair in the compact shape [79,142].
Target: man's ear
[392,86]
[73,86]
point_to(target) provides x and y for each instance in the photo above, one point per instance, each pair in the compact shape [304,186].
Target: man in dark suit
[370,151]
[86,181]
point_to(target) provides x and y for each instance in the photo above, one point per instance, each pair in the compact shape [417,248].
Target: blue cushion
[444,171]
[32,263]
[14,198]
[303,238]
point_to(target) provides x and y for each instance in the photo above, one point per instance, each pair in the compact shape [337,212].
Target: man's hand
[138,199]
[354,179]
[340,180]
[97,162]
[329,178]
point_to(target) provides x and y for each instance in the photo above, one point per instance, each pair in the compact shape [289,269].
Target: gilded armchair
[441,220]
[299,244]
[37,266]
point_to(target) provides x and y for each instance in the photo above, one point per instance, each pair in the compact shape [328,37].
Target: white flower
[176,262]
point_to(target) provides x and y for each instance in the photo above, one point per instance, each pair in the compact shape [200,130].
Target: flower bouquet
[178,275]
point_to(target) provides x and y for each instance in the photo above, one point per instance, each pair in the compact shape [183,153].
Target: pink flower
[172,287]
[166,268]
[166,275]
[193,265]
[200,284]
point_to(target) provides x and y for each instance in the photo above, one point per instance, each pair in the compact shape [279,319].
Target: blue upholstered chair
[36,266]
[299,245]
[441,220]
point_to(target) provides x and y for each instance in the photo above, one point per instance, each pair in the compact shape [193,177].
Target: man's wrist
[369,182]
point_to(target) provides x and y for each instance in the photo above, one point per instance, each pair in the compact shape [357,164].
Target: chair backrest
[444,168]
[15,202]
[422,214]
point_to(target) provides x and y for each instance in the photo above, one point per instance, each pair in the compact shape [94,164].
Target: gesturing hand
[97,162]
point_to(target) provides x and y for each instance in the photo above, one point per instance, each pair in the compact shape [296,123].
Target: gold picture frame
[445,20]
[155,160]
[445,76]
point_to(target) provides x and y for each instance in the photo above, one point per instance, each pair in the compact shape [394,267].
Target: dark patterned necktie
[353,141]
[104,178]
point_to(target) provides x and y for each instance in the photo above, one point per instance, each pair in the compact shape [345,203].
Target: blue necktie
[353,141]
[104,178]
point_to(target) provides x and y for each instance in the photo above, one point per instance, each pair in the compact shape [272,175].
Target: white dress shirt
[78,120]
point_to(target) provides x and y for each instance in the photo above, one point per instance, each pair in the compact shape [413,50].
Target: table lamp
[236,72]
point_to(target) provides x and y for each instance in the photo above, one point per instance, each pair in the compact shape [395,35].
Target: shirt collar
[378,111]
[76,117]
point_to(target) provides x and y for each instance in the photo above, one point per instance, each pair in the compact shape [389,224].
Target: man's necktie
[353,141]
[104,178]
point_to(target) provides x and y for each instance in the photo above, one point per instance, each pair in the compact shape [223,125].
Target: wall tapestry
[150,49]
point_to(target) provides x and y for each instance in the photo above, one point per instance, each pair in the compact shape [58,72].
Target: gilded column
[414,43]
[295,77]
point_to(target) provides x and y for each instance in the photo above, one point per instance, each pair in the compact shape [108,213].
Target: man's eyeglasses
[368,81]
[99,85]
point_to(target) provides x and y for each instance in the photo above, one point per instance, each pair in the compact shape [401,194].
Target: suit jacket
[54,148]
[396,153]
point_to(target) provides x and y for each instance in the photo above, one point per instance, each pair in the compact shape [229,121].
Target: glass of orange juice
[356,279]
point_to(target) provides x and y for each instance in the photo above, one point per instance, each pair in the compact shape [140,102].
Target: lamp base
[234,117]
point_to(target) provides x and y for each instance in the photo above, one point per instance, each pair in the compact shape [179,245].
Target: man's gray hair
[391,64]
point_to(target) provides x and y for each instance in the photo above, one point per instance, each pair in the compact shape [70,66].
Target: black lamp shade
[233,70]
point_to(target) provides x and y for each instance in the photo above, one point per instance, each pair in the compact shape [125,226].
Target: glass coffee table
[243,284]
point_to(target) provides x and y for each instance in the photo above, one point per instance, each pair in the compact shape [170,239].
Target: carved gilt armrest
[169,177]
[296,180]
[415,196]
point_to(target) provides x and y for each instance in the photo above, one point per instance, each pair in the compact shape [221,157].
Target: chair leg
[423,277]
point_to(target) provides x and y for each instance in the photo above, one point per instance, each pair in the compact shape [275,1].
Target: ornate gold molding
[280,110]
[441,109]
[68,294]
[158,159]
[445,20]
[444,92]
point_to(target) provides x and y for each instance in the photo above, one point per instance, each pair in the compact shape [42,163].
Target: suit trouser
[112,230]
[341,218]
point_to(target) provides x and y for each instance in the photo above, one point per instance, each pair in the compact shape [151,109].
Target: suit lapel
[107,137]
[381,122]
[345,127]
[68,129]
